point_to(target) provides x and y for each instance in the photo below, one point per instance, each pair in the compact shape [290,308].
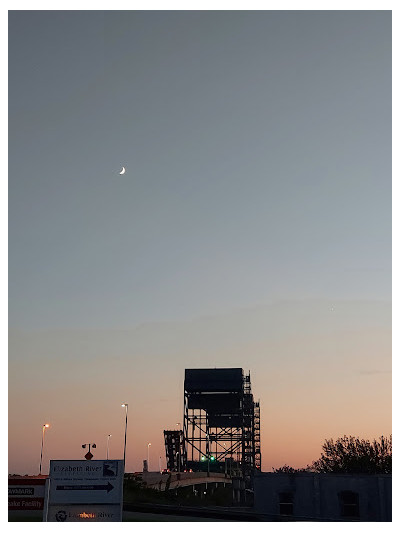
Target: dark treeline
[350,455]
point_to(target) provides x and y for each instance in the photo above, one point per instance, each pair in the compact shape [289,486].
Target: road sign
[87,486]
[25,494]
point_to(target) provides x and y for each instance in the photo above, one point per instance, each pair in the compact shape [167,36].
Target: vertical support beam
[185,431]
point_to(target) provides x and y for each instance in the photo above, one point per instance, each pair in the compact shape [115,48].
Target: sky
[252,227]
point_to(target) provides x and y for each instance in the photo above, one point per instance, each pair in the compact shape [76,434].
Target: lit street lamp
[126,427]
[41,449]
[108,444]
[148,456]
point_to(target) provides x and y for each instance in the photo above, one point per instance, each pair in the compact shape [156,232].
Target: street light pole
[126,428]
[148,456]
[108,444]
[41,449]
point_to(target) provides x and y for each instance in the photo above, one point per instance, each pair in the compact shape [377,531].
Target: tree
[285,469]
[351,455]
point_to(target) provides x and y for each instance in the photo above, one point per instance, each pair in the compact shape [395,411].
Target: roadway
[158,481]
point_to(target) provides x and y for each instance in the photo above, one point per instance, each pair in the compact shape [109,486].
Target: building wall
[323,496]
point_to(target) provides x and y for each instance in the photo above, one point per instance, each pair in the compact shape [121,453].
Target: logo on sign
[110,468]
[61,516]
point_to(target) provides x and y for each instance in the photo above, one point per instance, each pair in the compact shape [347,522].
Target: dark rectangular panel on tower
[214,380]
[215,402]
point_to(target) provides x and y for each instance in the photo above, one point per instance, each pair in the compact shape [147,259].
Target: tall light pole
[41,449]
[148,456]
[126,428]
[108,444]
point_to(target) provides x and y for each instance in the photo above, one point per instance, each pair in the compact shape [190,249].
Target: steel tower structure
[173,450]
[221,428]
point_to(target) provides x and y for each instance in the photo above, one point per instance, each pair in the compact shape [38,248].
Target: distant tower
[221,422]
[174,450]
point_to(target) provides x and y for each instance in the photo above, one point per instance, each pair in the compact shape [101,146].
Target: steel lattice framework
[221,428]
[173,450]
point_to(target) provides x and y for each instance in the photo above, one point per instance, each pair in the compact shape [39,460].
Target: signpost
[84,491]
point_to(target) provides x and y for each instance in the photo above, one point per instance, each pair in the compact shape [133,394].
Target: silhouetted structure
[221,428]
[174,450]
[323,497]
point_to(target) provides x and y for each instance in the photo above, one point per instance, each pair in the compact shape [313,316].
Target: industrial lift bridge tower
[221,429]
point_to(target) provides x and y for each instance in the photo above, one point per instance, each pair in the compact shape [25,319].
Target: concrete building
[332,497]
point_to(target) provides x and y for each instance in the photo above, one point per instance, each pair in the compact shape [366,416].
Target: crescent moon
[123,170]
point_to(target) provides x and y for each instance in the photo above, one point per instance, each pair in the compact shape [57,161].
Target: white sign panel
[91,483]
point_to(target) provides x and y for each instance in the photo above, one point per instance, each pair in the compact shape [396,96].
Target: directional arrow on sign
[107,487]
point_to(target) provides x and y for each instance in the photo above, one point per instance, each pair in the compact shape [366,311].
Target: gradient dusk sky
[252,227]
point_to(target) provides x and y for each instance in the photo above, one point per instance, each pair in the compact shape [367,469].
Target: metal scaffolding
[174,451]
[221,427]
